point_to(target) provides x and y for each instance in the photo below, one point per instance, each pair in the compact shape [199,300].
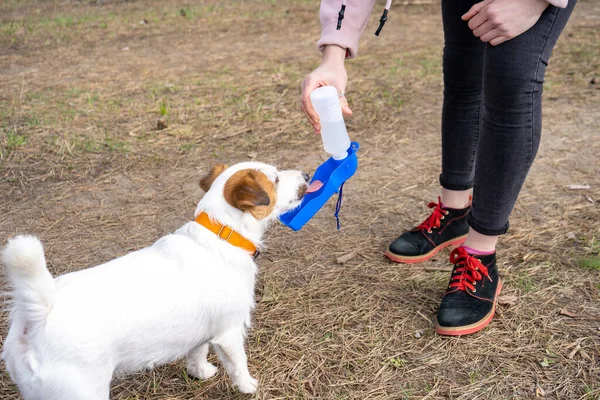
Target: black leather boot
[444,227]
[470,300]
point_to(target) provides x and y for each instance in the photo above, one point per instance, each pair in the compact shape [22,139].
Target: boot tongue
[314,186]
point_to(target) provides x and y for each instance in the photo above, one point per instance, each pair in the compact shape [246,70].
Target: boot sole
[476,327]
[424,257]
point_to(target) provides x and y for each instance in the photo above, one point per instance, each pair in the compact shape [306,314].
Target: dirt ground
[84,166]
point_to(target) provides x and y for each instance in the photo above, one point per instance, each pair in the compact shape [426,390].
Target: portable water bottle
[330,177]
[326,102]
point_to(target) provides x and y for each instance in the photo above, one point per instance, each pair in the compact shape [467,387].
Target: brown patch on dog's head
[207,181]
[251,191]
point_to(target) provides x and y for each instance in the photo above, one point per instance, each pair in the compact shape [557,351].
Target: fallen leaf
[573,352]
[126,48]
[509,300]
[564,311]
[546,362]
[345,258]
[539,392]
[143,22]
[588,198]
[585,355]
[252,155]
[579,187]
[575,343]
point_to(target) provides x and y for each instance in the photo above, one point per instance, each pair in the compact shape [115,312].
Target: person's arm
[353,25]
[559,3]
[497,21]
[336,46]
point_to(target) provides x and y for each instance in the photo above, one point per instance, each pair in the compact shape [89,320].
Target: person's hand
[496,21]
[331,72]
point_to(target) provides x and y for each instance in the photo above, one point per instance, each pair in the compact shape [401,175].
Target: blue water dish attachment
[332,174]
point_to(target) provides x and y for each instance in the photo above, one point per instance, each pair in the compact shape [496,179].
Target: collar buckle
[228,235]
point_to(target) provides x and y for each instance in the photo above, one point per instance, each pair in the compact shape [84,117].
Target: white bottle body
[335,137]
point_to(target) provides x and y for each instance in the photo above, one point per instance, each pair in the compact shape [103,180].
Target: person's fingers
[345,107]
[305,105]
[485,28]
[478,20]
[469,14]
[308,85]
[490,35]
[499,39]
[309,118]
[303,109]
[316,126]
[473,11]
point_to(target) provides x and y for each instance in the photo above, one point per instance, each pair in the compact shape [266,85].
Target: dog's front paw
[202,371]
[248,386]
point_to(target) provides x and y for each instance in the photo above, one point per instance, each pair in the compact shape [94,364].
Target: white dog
[69,336]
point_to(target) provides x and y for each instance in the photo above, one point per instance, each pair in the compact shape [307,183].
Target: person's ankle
[476,252]
[456,199]
[479,244]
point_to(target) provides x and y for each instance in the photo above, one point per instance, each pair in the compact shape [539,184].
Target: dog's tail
[33,288]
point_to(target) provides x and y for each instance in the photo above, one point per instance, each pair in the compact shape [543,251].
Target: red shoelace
[436,217]
[468,271]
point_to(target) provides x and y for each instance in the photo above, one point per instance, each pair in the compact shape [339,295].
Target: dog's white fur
[69,336]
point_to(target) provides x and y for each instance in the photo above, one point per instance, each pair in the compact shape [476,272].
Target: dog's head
[255,188]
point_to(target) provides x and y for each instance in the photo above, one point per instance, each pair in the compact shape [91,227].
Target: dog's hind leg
[230,349]
[197,364]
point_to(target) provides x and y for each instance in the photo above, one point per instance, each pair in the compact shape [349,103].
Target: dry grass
[82,165]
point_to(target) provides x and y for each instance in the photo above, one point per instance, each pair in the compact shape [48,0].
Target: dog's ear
[207,181]
[251,191]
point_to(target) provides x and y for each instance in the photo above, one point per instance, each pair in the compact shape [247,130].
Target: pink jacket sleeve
[558,3]
[355,20]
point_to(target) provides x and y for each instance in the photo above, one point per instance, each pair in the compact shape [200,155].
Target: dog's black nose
[306,176]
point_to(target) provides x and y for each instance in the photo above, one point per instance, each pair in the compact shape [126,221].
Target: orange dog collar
[227,234]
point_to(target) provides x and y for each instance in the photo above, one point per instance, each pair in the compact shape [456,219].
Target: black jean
[492,113]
